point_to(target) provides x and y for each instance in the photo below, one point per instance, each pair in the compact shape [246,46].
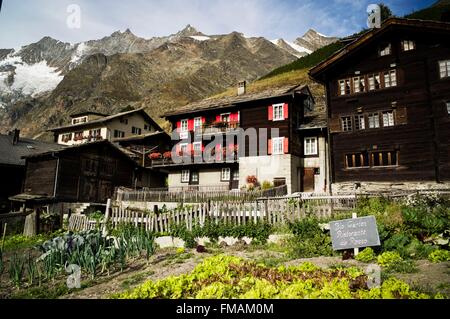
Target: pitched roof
[109,118]
[315,119]
[218,103]
[373,34]
[139,137]
[81,146]
[82,113]
[12,154]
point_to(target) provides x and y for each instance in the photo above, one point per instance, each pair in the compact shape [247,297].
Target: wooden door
[308,180]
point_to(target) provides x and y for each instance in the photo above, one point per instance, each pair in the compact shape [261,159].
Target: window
[346,122]
[360,123]
[197,123]
[408,45]
[226,173]
[356,85]
[124,121]
[311,146]
[119,134]
[448,107]
[197,146]
[374,82]
[385,50]
[66,137]
[444,68]
[185,176]
[184,126]
[278,114]
[78,136]
[342,87]
[359,84]
[388,118]
[194,177]
[374,120]
[236,175]
[136,130]
[277,145]
[390,78]
[357,160]
[384,158]
[225,118]
[95,133]
[79,120]
[183,149]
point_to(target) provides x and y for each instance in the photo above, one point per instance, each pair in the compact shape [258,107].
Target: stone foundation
[374,187]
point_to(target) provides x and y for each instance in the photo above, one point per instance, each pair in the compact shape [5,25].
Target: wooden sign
[354,233]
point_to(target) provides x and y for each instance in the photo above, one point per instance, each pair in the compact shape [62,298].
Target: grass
[18,242]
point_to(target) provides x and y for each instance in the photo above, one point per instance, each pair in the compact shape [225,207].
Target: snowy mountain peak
[313,40]
[188,31]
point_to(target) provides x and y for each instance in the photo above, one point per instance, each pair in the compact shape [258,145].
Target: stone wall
[373,187]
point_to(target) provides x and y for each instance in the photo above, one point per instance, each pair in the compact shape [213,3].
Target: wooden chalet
[388,98]
[86,173]
[212,138]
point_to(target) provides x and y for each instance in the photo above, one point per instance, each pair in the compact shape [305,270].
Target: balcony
[217,128]
[166,159]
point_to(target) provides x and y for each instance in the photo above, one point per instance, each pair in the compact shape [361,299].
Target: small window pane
[225,176]
[346,122]
[185,176]
[388,118]
[311,146]
[374,120]
[360,123]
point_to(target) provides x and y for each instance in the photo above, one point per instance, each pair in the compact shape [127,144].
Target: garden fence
[275,211]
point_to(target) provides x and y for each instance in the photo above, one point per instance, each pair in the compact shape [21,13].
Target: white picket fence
[271,210]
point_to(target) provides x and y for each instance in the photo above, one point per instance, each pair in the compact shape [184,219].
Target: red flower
[167,155]
[155,156]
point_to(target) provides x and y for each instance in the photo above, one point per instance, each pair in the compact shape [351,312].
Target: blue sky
[26,21]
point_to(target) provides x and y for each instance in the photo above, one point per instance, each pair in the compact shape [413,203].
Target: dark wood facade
[406,131]
[87,173]
[248,115]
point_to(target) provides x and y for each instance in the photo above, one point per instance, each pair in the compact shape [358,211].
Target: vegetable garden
[413,231]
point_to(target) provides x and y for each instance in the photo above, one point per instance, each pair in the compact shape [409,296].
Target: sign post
[355,250]
[354,233]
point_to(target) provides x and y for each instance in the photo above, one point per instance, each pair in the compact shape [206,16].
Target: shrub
[252,180]
[155,156]
[389,258]
[266,185]
[403,266]
[309,239]
[439,255]
[366,256]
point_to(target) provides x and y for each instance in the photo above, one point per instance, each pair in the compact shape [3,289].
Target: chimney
[15,136]
[242,87]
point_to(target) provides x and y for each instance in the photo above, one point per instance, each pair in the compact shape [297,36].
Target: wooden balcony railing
[217,127]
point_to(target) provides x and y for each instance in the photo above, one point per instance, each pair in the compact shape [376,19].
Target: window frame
[349,126]
[200,122]
[366,160]
[275,141]
[372,157]
[199,150]
[385,47]
[375,115]
[357,118]
[279,106]
[191,177]
[310,141]
[408,45]
[391,118]
[446,71]
[224,178]
[183,180]
[227,115]
[182,129]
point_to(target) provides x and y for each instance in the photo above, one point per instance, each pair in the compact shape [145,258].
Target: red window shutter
[179,126]
[190,124]
[218,118]
[286,110]
[269,148]
[203,120]
[286,145]
[270,115]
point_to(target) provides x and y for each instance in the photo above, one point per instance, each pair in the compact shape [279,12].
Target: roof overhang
[317,71]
